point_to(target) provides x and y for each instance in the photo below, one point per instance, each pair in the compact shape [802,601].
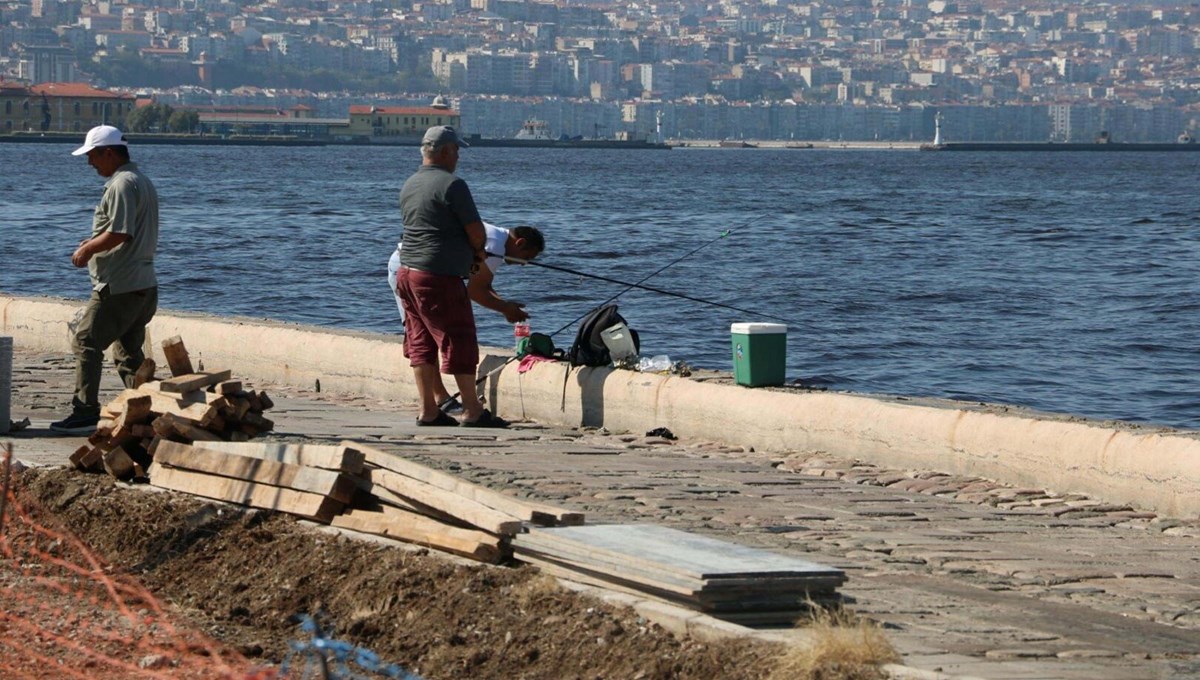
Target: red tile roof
[75,90]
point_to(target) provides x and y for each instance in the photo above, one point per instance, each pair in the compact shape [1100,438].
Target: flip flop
[442,420]
[486,419]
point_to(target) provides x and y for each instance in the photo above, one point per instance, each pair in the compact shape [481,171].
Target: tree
[183,121]
[149,118]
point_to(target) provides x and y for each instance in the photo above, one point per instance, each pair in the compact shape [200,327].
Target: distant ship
[535,130]
[536,134]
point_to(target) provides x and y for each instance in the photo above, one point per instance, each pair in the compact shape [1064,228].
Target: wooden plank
[229,387]
[161,402]
[687,554]
[255,401]
[701,590]
[193,397]
[258,422]
[193,381]
[145,373]
[136,412]
[118,463]
[168,424]
[265,402]
[341,458]
[785,616]
[141,431]
[87,458]
[386,500]
[538,513]
[314,506]
[298,477]
[242,406]
[177,356]
[413,528]
[465,509]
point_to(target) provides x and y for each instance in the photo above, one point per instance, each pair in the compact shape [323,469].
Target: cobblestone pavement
[969,576]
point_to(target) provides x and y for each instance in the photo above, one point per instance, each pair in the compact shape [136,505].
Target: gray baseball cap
[443,134]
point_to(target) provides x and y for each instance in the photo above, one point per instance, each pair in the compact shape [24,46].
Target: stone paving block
[1025,653]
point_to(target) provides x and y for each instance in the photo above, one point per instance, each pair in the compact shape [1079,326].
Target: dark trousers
[118,320]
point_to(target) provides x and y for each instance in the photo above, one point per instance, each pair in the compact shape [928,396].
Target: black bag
[589,348]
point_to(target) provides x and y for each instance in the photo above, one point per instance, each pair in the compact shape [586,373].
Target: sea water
[1062,281]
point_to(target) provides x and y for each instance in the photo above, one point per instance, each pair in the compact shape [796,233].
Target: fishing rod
[639,286]
[655,273]
[628,287]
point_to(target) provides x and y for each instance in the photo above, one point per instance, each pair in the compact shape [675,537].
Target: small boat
[535,130]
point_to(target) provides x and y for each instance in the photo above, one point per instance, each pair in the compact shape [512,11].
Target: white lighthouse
[937,129]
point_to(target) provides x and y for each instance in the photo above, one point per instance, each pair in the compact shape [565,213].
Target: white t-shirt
[494,240]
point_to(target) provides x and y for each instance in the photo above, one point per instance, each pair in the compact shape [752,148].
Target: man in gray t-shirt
[443,245]
[119,256]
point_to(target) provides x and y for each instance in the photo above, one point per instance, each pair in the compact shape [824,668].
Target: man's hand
[477,263]
[82,254]
[97,244]
[514,312]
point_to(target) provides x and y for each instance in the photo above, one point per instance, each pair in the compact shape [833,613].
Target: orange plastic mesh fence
[64,613]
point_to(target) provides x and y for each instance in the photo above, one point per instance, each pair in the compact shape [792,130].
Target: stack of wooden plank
[314,481]
[355,487]
[729,581]
[415,503]
[189,406]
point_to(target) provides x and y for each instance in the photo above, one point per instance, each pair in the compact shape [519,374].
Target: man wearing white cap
[119,256]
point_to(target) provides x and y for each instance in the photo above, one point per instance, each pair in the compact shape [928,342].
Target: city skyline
[1039,71]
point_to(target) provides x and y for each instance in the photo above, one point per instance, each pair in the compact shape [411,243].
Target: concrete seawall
[1154,468]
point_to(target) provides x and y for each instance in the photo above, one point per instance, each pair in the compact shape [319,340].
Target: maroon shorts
[438,318]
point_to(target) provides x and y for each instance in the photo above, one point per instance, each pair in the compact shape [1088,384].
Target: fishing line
[651,275]
[628,287]
[651,289]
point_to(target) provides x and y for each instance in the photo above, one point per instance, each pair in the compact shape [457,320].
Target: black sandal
[442,420]
[486,419]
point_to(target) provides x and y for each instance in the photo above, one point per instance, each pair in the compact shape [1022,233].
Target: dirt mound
[242,575]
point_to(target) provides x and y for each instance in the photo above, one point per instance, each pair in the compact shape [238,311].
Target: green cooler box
[759,353]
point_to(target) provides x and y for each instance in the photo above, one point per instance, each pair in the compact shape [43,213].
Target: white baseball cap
[101,135]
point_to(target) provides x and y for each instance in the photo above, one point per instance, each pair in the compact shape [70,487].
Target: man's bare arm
[479,288]
[95,245]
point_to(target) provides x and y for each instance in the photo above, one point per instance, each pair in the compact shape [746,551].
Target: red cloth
[438,319]
[529,360]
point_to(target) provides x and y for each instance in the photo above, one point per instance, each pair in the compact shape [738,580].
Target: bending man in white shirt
[521,242]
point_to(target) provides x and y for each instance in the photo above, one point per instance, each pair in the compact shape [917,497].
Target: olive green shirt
[129,206]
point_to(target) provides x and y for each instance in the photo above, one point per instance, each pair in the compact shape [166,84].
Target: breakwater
[1156,468]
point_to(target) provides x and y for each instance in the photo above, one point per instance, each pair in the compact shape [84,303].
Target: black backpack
[589,348]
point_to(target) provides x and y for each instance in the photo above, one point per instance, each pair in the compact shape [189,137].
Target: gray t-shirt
[129,206]
[436,206]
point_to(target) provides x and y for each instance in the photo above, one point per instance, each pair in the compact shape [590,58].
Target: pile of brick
[190,406]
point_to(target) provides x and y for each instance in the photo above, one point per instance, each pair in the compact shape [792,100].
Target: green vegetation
[149,118]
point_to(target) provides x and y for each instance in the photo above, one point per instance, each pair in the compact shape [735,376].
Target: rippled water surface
[1062,281]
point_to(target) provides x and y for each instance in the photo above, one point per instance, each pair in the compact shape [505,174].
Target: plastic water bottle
[520,332]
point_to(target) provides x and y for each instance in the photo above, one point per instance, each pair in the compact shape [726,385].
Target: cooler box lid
[757,328]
